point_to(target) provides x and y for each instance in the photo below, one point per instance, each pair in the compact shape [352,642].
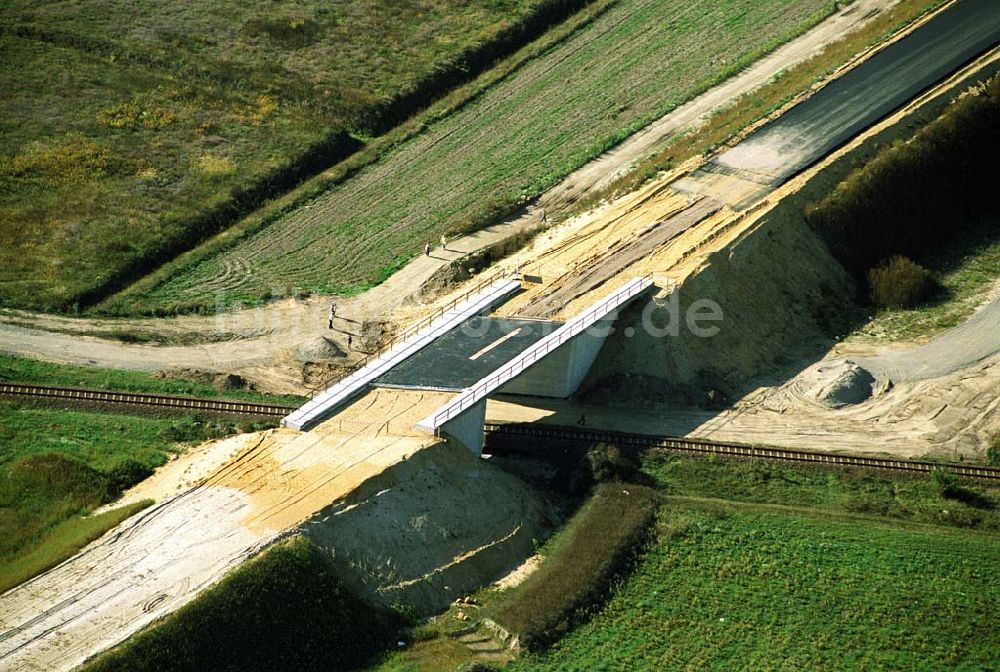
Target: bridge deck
[329,400]
[574,327]
[465,355]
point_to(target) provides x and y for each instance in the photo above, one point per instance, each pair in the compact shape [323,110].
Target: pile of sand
[778,289]
[837,384]
[220,381]
[430,529]
[318,349]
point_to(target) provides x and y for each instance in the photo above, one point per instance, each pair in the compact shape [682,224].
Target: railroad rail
[245,408]
[727,449]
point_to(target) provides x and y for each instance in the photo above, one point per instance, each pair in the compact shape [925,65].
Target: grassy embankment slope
[284,610]
[59,463]
[130,133]
[967,268]
[950,228]
[557,109]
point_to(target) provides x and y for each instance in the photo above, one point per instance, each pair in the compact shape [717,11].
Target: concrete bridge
[468,352]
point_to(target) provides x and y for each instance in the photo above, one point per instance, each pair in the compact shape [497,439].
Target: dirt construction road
[966,345]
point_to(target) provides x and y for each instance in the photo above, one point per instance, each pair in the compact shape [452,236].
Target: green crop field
[127,131]
[636,60]
[747,588]
[761,566]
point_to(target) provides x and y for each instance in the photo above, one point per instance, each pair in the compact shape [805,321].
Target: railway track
[737,450]
[243,408]
[544,432]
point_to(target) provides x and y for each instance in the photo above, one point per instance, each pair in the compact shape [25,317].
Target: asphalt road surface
[848,105]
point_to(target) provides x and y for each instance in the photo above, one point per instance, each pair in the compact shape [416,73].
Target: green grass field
[746,588]
[831,491]
[787,567]
[125,131]
[58,464]
[809,568]
[516,138]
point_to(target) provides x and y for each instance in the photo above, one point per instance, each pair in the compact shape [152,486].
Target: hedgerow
[882,209]
[603,540]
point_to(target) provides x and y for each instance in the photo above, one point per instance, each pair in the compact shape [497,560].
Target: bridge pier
[561,372]
[467,427]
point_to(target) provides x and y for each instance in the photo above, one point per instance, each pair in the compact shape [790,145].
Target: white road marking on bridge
[496,344]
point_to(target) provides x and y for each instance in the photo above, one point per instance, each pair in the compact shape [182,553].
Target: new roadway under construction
[513,351]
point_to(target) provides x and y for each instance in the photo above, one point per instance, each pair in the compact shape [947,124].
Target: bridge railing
[409,332]
[539,350]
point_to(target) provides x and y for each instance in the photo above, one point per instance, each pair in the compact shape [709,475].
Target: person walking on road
[582,422]
[427,249]
[333,314]
[350,340]
[444,243]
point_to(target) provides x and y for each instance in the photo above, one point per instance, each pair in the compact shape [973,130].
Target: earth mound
[840,384]
[430,529]
[318,349]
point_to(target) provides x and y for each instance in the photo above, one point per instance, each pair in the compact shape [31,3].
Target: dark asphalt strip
[869,92]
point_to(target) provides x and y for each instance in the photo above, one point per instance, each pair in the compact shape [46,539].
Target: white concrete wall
[467,427]
[562,371]
[580,337]
[331,399]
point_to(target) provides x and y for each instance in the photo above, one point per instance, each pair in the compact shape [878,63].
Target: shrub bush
[124,475]
[603,540]
[993,452]
[945,482]
[900,283]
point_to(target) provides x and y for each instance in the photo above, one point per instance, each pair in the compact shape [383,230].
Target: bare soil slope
[433,528]
[159,559]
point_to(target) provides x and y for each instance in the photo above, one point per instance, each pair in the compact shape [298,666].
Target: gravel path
[972,342]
